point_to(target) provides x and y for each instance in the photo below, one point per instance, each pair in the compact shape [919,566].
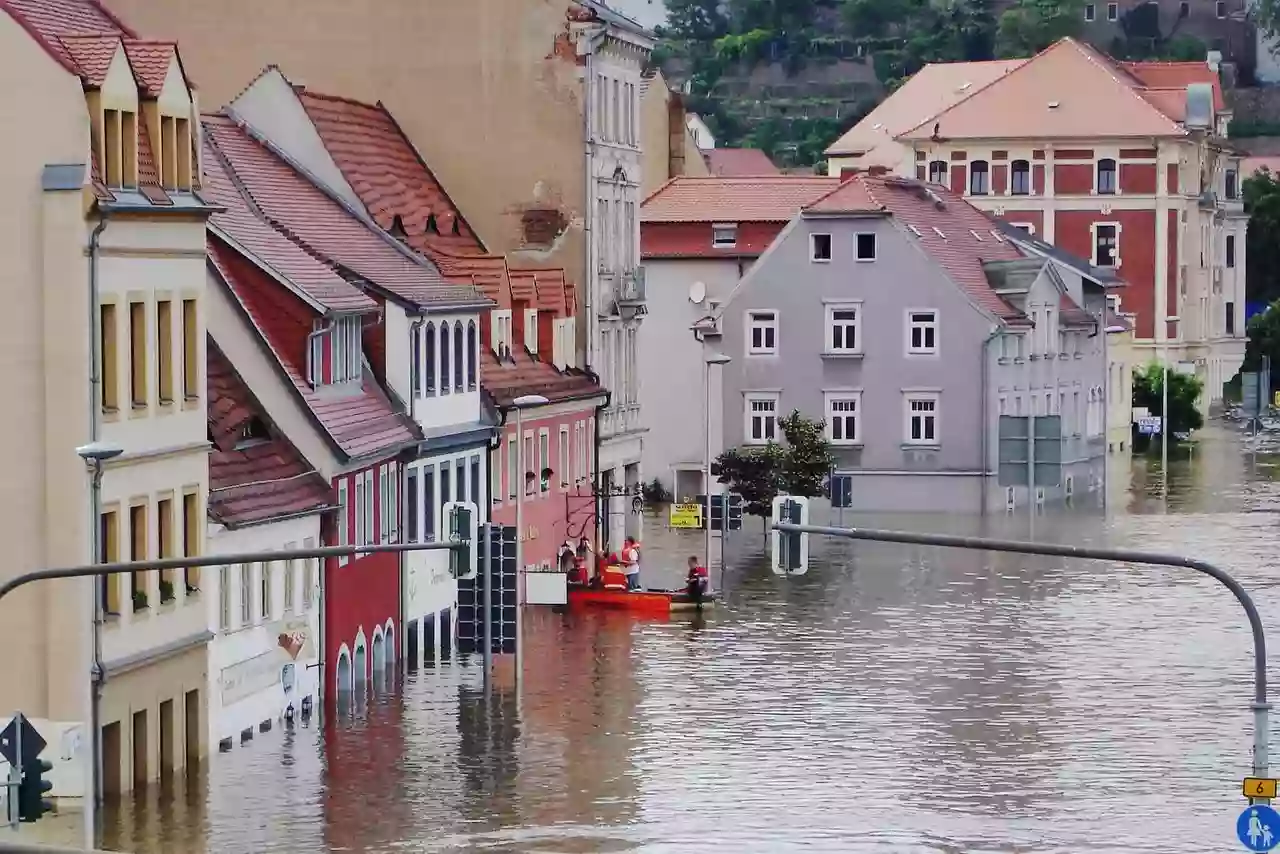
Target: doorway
[111,758]
[605,502]
[166,740]
[140,749]
[191,730]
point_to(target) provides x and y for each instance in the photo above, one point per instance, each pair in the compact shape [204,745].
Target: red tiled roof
[308,216]
[739,162]
[312,279]
[485,273]
[92,55]
[150,61]
[49,20]
[252,481]
[771,198]
[1177,75]
[503,381]
[360,425]
[955,234]
[387,174]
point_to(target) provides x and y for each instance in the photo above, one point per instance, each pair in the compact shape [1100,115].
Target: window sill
[1018,360]
[1004,360]
[110,618]
[921,446]
[839,354]
[759,353]
[820,260]
[835,444]
[922,352]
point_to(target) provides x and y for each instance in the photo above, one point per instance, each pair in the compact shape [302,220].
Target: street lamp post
[1164,412]
[526,401]
[708,360]
[95,455]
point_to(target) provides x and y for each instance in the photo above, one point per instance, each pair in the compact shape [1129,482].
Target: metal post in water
[486,603]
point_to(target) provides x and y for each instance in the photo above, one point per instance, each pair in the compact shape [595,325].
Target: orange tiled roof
[1067,91]
[955,234]
[384,169]
[503,380]
[735,162]
[926,93]
[770,198]
[150,61]
[1176,75]
[92,55]
[48,20]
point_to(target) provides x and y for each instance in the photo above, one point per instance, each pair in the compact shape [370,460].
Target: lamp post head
[98,452]
[526,401]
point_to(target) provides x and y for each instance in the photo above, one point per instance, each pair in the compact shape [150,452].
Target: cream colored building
[667,145]
[102,236]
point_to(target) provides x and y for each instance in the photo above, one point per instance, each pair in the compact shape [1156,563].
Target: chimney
[847,172]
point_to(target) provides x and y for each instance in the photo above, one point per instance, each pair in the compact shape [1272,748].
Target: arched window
[1020,178]
[472,354]
[389,641]
[444,358]
[1106,176]
[938,172]
[360,667]
[342,682]
[459,356]
[429,351]
[979,178]
[379,661]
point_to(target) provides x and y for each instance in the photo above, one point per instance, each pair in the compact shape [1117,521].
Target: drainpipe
[985,451]
[414,329]
[595,468]
[329,323]
[589,202]
[95,512]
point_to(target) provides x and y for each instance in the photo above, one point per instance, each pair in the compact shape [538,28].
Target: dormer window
[335,353]
[724,235]
[432,228]
[501,333]
[253,432]
[564,343]
[531,330]
[118,153]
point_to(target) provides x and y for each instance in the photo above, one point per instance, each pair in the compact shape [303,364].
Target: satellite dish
[697,293]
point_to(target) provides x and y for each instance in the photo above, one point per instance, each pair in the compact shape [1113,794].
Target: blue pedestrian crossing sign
[1259,828]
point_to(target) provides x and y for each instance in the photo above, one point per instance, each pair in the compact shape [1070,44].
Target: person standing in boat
[698,581]
[631,563]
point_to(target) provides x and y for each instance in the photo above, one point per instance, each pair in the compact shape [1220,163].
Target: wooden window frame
[138,338]
[164,350]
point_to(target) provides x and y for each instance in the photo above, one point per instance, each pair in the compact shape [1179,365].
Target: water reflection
[891,700]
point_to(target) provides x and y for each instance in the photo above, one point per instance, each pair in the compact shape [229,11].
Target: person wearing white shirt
[631,563]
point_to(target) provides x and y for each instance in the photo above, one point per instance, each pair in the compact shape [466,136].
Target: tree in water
[760,473]
[1262,241]
[1184,391]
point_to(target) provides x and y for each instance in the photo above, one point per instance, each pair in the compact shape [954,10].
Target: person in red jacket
[698,581]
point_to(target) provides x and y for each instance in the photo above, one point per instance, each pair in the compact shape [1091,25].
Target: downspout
[329,323]
[589,203]
[595,459]
[414,329]
[985,451]
[96,674]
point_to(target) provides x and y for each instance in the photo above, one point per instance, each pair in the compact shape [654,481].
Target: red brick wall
[959,175]
[1171,178]
[1073,178]
[693,239]
[1036,218]
[1037,178]
[999,179]
[286,320]
[1137,254]
[1138,178]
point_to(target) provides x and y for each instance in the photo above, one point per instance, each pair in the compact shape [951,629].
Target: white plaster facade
[616,292]
[253,680]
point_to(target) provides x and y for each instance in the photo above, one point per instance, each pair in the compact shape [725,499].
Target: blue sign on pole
[1259,828]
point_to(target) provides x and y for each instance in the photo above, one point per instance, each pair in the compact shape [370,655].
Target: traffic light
[463,522]
[840,490]
[735,511]
[31,791]
[790,550]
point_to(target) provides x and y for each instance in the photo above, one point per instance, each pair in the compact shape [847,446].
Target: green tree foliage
[1184,391]
[1262,241]
[1264,340]
[760,473]
[1032,25]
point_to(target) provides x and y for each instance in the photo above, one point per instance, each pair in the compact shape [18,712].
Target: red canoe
[643,601]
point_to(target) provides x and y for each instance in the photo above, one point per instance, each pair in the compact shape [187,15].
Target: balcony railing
[631,287]
[617,420]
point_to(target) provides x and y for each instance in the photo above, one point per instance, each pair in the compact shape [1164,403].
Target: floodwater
[894,699]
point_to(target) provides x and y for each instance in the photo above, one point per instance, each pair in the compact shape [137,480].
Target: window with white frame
[922,418]
[938,172]
[369,503]
[922,332]
[761,418]
[979,178]
[528,462]
[583,439]
[500,332]
[495,475]
[246,594]
[820,248]
[384,529]
[1106,244]
[1106,180]
[864,246]
[844,328]
[513,468]
[843,417]
[343,514]
[1020,178]
[430,501]
[724,235]
[762,333]
[224,598]
[344,342]
[544,460]
[531,330]
[562,459]
[1113,12]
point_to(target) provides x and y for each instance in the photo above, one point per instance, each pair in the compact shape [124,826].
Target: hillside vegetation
[789,76]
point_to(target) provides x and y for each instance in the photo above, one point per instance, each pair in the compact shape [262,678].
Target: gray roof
[616,18]
[1102,275]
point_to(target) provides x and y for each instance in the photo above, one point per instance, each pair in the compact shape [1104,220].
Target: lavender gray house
[911,321]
